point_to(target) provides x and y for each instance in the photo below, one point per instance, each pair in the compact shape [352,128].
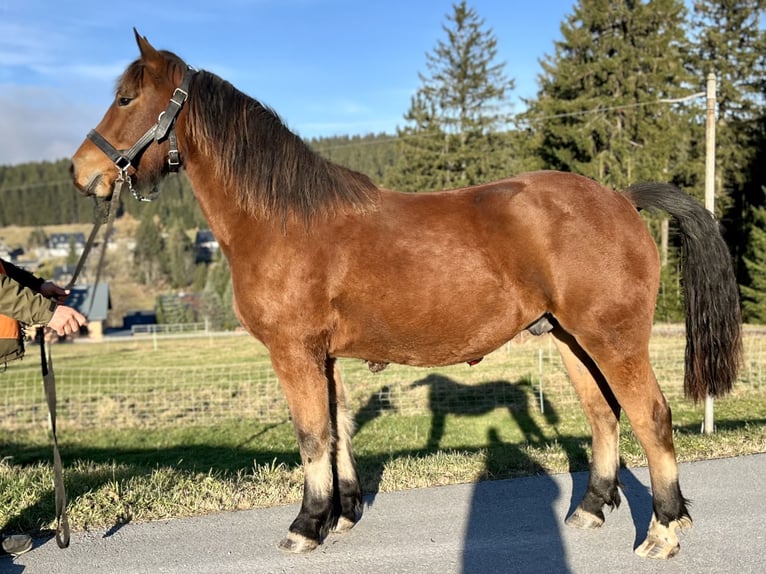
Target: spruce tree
[730,41]
[598,109]
[147,255]
[457,111]
[754,294]
[180,257]
[420,163]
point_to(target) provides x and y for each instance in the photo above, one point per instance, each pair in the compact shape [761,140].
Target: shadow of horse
[449,397]
[378,404]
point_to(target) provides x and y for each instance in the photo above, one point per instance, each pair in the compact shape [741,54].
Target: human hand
[53,291]
[66,320]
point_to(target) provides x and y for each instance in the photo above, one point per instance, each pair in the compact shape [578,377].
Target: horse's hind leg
[630,376]
[347,490]
[603,413]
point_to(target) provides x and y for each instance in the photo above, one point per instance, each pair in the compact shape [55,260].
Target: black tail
[713,318]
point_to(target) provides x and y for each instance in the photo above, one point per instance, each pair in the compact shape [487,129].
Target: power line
[519,118]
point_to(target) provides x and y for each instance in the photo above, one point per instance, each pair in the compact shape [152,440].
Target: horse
[325,264]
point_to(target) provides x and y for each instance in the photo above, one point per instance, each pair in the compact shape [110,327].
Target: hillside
[126,292]
[42,194]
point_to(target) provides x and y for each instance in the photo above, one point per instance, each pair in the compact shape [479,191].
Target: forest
[614,103]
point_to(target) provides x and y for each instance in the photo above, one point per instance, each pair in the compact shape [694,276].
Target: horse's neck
[226,219]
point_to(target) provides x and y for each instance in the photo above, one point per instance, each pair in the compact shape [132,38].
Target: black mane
[273,172]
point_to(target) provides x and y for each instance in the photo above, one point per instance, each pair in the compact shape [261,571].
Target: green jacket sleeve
[23,276]
[23,304]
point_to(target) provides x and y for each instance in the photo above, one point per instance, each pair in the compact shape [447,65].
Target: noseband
[163,129]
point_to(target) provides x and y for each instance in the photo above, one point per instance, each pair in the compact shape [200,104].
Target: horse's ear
[148,52]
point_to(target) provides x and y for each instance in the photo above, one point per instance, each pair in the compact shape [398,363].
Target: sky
[328,67]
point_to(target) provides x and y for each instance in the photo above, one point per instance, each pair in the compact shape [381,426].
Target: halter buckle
[122,164]
[179,92]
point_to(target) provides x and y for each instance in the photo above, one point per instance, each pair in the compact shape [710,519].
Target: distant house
[139,317]
[61,244]
[10,254]
[205,246]
[94,304]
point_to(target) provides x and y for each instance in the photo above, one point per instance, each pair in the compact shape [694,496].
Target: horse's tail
[713,318]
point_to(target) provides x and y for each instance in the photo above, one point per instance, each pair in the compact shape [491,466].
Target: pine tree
[754,294]
[180,261]
[419,165]
[598,109]
[456,112]
[147,256]
[730,42]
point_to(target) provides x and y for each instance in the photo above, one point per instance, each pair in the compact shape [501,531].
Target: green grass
[436,427]
[119,475]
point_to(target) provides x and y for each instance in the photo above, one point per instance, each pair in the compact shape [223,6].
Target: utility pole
[708,424]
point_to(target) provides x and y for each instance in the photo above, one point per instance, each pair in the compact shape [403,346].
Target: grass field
[431,427]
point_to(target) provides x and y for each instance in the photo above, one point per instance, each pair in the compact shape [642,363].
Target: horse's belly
[442,341]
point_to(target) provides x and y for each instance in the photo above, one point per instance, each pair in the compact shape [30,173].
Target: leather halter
[163,129]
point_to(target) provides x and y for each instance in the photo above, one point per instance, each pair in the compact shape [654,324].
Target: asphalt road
[502,526]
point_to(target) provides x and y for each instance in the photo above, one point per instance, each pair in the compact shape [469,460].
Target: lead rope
[49,384]
[46,360]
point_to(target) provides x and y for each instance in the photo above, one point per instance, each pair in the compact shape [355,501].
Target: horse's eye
[123,101]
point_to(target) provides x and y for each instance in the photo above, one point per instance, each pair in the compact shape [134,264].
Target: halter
[164,128]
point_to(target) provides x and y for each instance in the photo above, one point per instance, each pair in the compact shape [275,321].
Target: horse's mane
[271,171]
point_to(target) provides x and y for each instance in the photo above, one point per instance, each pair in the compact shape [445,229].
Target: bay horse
[325,264]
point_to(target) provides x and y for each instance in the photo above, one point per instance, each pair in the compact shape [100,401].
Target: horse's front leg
[303,378]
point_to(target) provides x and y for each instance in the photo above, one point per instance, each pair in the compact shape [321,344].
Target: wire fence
[525,374]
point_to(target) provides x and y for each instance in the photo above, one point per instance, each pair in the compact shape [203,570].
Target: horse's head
[136,138]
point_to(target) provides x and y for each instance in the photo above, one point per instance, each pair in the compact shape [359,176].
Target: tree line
[615,102]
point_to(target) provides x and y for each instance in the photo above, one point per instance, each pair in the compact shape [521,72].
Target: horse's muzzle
[88,176]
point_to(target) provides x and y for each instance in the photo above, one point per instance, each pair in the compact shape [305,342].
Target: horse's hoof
[297,543]
[583,519]
[657,548]
[662,541]
[343,525]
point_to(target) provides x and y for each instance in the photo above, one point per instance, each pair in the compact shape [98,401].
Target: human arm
[23,304]
[46,288]
[23,276]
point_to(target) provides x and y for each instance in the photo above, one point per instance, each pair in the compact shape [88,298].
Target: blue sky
[328,67]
